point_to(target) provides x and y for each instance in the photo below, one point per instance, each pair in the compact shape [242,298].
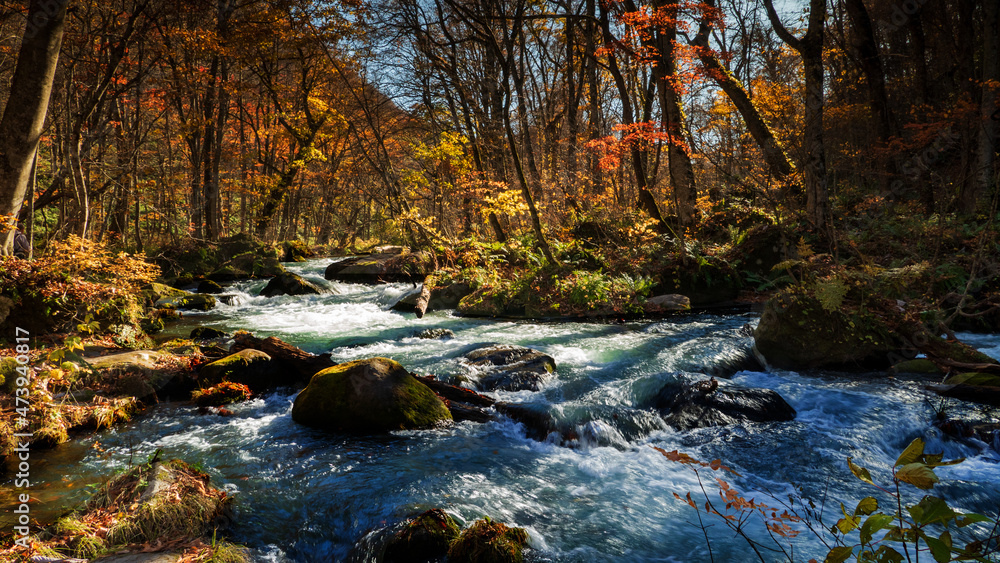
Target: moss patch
[368,396]
[489,542]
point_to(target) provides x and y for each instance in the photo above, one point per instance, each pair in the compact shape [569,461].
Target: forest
[361,185]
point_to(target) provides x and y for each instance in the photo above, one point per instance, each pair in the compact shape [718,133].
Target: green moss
[426,537]
[371,395]
[489,542]
[978,379]
[239,367]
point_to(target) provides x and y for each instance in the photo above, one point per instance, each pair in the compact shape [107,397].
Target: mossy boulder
[157,291]
[209,286]
[487,541]
[425,538]
[503,367]
[296,251]
[186,300]
[373,395]
[761,248]
[797,332]
[920,365]
[383,267]
[253,368]
[289,284]
[207,333]
[983,388]
[483,302]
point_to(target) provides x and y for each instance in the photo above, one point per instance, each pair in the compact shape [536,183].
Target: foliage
[923,525]
[220,394]
[77,282]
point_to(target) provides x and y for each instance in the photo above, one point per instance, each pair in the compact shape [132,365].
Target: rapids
[305,496]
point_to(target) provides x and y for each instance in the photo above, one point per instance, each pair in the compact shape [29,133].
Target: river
[305,496]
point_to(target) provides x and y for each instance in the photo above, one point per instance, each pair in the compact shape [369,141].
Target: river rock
[253,368]
[368,396]
[207,333]
[796,332]
[139,373]
[487,541]
[666,303]
[708,402]
[503,367]
[435,333]
[382,267]
[289,284]
[920,365]
[187,300]
[425,538]
[209,286]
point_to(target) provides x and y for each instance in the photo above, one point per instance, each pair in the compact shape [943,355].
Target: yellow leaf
[918,475]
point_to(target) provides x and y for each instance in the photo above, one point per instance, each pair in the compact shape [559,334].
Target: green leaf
[886,554]
[839,554]
[971,518]
[860,472]
[918,475]
[939,549]
[866,506]
[912,453]
[874,523]
[931,510]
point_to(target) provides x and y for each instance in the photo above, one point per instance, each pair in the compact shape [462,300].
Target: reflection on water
[307,496]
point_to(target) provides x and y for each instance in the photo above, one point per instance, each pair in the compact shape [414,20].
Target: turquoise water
[607,495]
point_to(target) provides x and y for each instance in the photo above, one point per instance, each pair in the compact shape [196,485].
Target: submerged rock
[435,333]
[368,396]
[728,363]
[487,541]
[425,538]
[288,283]
[698,404]
[511,368]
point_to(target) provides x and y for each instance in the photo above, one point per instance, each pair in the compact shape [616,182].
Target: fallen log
[424,298]
[972,393]
[456,393]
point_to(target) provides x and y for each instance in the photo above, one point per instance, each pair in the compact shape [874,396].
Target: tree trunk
[989,110]
[24,115]
[774,155]
[672,117]
[810,47]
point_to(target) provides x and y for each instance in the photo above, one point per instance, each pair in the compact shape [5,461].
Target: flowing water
[605,495]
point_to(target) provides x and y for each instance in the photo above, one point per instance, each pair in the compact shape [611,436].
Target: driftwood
[424,298]
[456,393]
[973,393]
[303,362]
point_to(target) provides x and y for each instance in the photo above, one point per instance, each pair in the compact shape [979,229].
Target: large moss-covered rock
[482,302]
[186,300]
[383,267]
[510,368]
[253,368]
[368,396]
[697,404]
[487,541]
[425,538]
[289,284]
[797,332]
